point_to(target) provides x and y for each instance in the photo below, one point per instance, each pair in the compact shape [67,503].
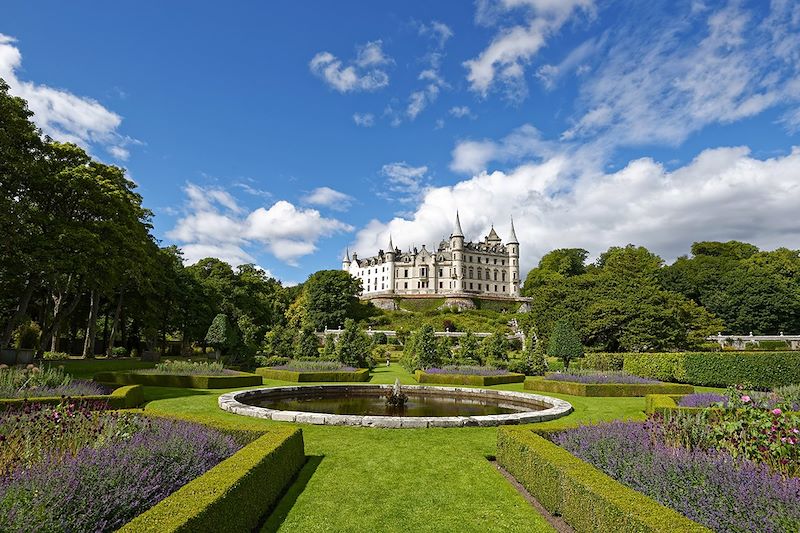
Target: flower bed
[786,398]
[68,468]
[705,484]
[232,381]
[586,498]
[617,378]
[344,374]
[125,397]
[188,368]
[487,377]
[546,384]
[31,381]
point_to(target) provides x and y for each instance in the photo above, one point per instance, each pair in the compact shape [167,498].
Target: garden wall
[185,381]
[586,498]
[361,374]
[717,369]
[233,496]
[465,379]
[605,389]
[125,397]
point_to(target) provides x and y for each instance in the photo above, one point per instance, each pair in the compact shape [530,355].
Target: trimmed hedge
[468,379]
[605,389]
[585,497]
[361,374]
[126,397]
[234,495]
[717,369]
[661,403]
[605,361]
[185,381]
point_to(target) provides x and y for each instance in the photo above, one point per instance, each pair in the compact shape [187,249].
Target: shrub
[234,495]
[188,368]
[586,498]
[721,369]
[54,356]
[772,345]
[421,350]
[605,389]
[127,464]
[180,380]
[603,361]
[306,344]
[468,348]
[352,349]
[314,366]
[26,336]
[329,348]
[33,382]
[343,374]
[707,486]
[119,351]
[468,379]
[494,348]
[221,334]
[601,377]
[379,338]
[262,360]
[565,343]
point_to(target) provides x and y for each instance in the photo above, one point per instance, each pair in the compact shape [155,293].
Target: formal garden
[140,393]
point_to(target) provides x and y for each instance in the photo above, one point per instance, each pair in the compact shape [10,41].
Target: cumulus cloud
[366,120]
[214,224]
[331,198]
[62,115]
[471,156]
[710,198]
[503,62]
[364,73]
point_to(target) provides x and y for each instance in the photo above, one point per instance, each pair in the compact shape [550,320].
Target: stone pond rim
[553,407]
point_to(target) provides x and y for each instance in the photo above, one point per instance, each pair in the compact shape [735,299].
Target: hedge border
[585,497]
[663,403]
[235,494]
[358,375]
[717,369]
[183,381]
[125,397]
[468,379]
[605,389]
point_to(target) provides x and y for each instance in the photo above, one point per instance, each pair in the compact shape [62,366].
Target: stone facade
[470,269]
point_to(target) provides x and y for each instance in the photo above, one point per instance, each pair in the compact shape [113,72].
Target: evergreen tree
[221,334]
[468,349]
[306,344]
[565,343]
[494,348]
[535,356]
[329,348]
[353,348]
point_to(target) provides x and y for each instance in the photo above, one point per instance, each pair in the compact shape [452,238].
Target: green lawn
[362,479]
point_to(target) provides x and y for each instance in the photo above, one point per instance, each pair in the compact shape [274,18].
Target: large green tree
[331,296]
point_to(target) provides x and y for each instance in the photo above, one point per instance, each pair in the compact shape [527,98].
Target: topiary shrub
[221,334]
[565,343]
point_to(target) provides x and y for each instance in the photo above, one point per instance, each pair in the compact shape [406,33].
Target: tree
[444,350]
[556,265]
[221,335]
[425,354]
[353,348]
[306,344]
[535,356]
[279,342]
[468,348]
[329,348]
[565,343]
[494,348]
[330,298]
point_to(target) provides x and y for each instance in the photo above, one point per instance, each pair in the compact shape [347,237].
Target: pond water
[375,405]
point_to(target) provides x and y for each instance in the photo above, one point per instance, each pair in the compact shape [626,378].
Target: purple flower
[702,399]
[601,378]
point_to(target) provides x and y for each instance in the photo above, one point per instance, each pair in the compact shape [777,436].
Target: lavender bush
[184,368]
[601,378]
[467,370]
[703,399]
[103,486]
[296,365]
[35,382]
[708,486]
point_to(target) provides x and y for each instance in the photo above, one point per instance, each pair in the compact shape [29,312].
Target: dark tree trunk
[91,326]
[114,325]
[20,311]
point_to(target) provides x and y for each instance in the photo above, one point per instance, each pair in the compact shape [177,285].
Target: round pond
[365,405]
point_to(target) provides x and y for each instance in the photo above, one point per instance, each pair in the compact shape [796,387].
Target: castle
[487,269]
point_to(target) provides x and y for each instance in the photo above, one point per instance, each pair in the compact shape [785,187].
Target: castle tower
[346,260]
[513,261]
[390,256]
[457,249]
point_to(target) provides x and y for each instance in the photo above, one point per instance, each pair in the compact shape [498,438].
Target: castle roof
[493,236]
[457,228]
[513,238]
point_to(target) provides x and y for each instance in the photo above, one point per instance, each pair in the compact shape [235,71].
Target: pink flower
[776,411]
[745,398]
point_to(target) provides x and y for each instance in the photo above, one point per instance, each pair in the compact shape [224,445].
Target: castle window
[504,288]
[502,261]
[405,275]
[479,286]
[495,288]
[405,285]
[470,259]
[495,276]
[441,272]
[515,276]
[495,261]
[441,285]
[470,285]
[471,273]
[480,275]
[504,276]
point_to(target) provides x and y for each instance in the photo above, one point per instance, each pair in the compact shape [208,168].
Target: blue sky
[280,133]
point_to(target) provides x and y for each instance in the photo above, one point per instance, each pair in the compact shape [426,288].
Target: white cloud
[504,60]
[215,225]
[404,183]
[437,30]
[60,114]
[574,61]
[473,156]
[327,197]
[420,99]
[658,88]
[362,74]
[366,120]
[461,111]
[710,198]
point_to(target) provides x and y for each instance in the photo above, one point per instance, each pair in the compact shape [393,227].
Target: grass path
[364,479]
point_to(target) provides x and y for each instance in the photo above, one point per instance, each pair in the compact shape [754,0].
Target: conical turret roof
[346,258]
[457,228]
[513,238]
[493,236]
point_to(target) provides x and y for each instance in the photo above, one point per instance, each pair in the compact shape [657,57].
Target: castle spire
[457,228]
[391,246]
[346,254]
[513,238]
